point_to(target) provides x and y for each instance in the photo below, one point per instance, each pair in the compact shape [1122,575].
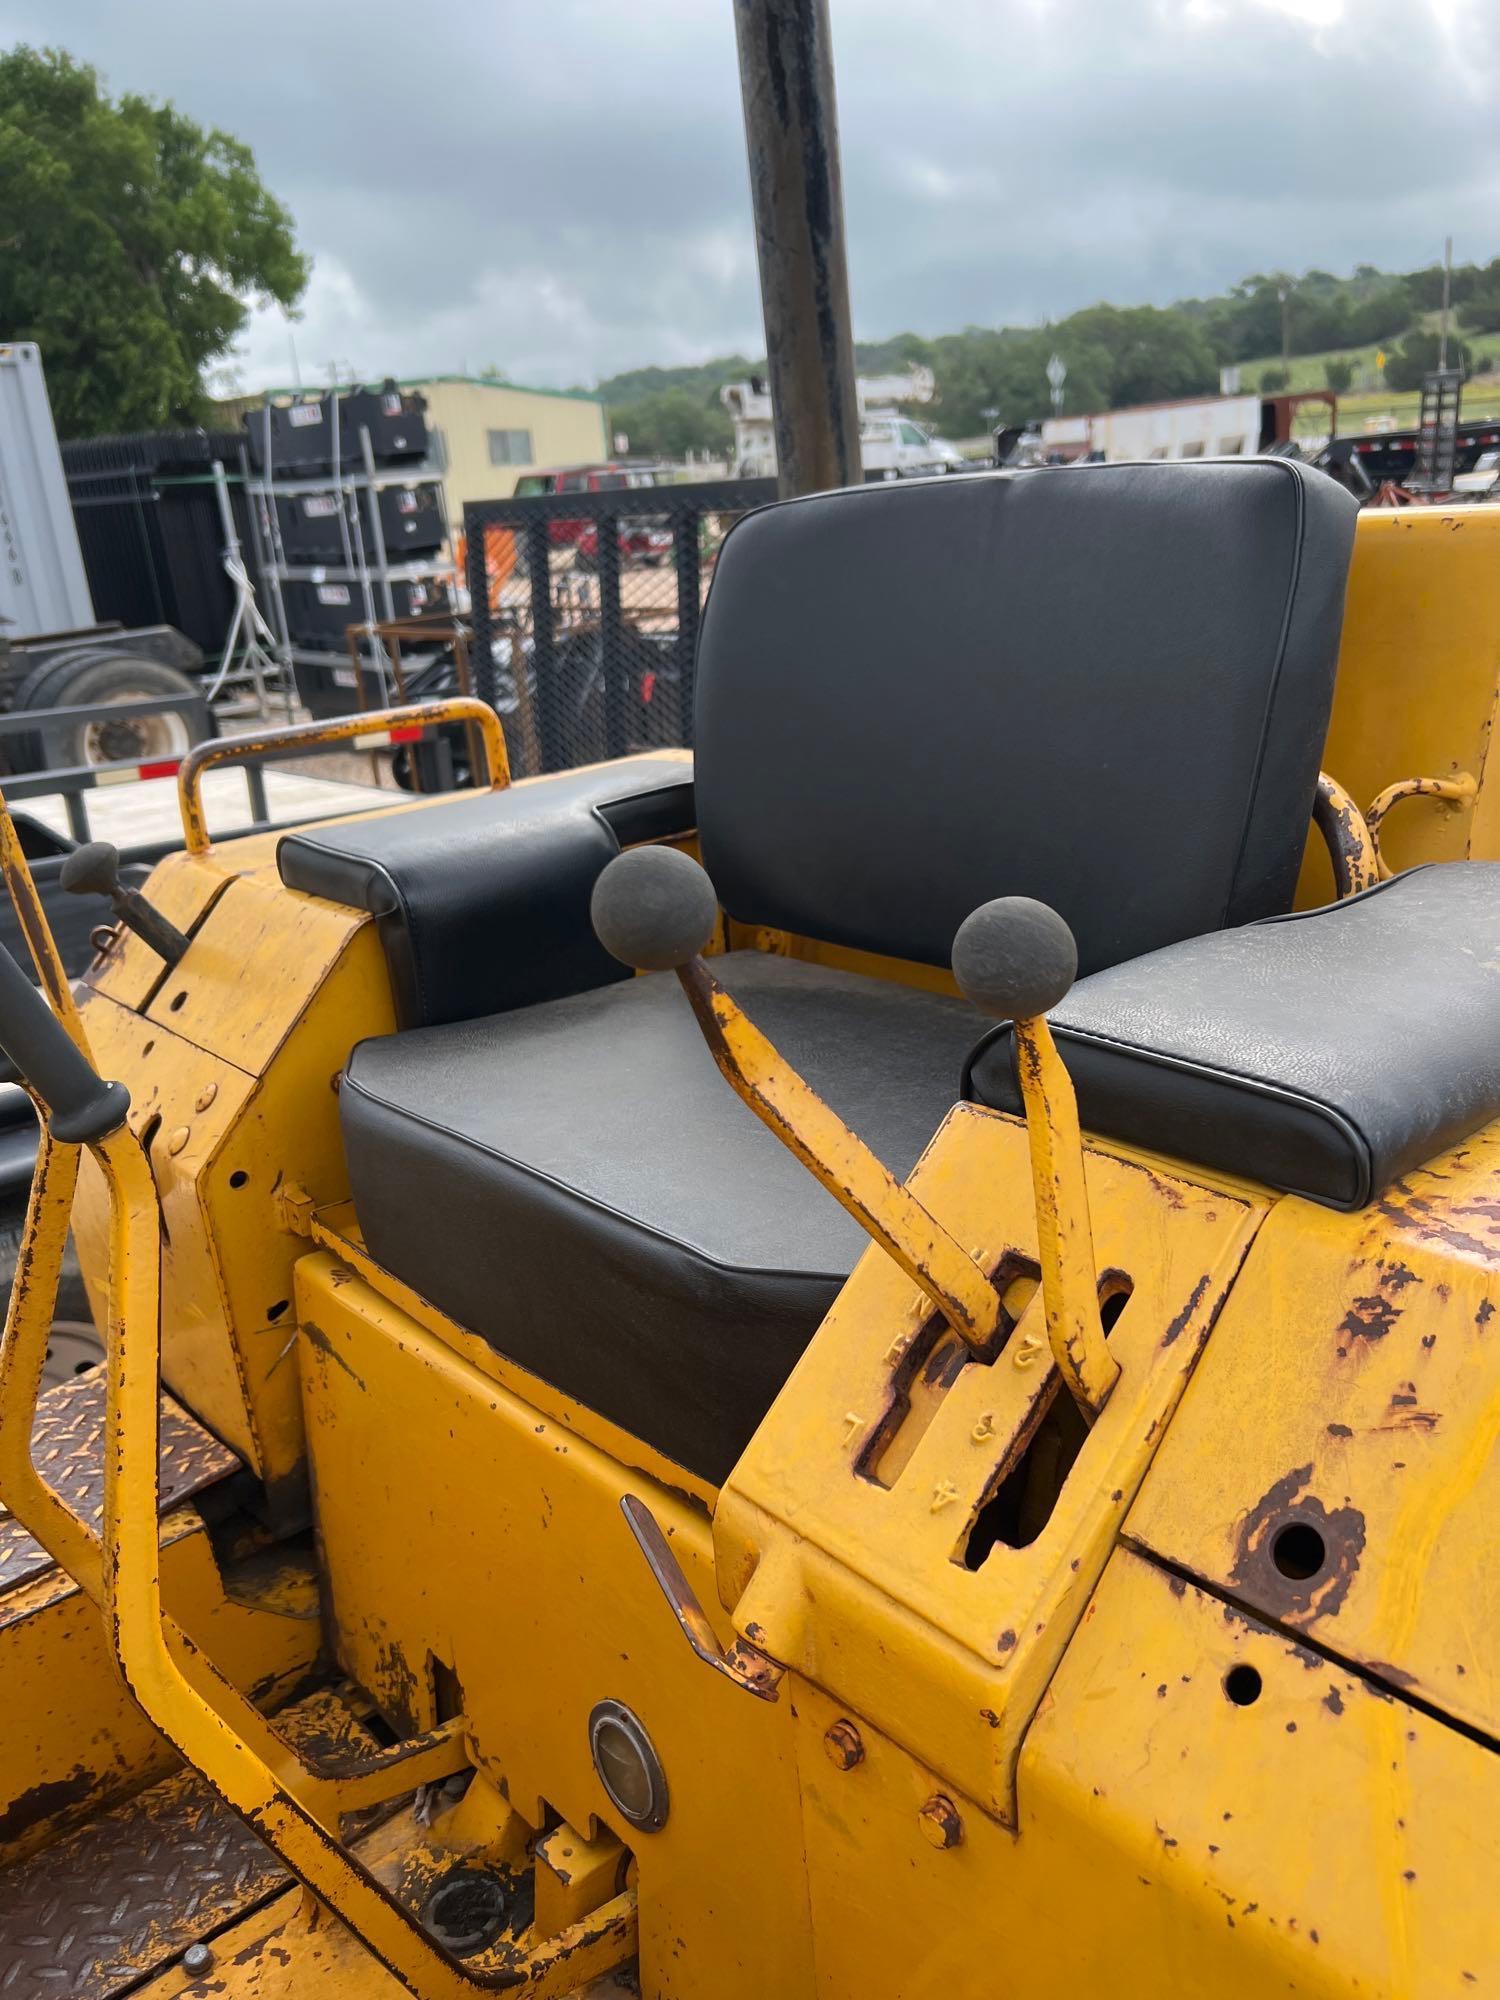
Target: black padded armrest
[483,900]
[1324,1053]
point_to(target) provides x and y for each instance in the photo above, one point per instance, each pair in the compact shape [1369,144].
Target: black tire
[88,675]
[75,1347]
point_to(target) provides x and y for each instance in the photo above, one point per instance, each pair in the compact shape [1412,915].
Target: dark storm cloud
[560,189]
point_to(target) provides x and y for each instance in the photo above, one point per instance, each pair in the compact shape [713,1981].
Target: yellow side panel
[1419,670]
[1173,1845]
[459,1525]
[1351,1393]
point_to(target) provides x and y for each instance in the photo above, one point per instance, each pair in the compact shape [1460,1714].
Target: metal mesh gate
[584,609]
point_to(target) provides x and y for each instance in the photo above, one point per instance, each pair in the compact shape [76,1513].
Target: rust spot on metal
[1195,1299]
[1333,1701]
[397,1687]
[1006,1641]
[42,1801]
[1370,1317]
[1404,1413]
[1339,1431]
[317,1339]
[1267,1586]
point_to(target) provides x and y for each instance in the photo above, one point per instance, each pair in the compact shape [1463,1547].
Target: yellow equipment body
[1130,1753]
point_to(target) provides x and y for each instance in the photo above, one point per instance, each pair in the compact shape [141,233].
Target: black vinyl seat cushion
[577,1184]
[482,901]
[1324,1053]
[1105,686]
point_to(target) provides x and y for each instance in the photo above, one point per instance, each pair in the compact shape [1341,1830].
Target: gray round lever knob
[653,908]
[1014,958]
[92,870]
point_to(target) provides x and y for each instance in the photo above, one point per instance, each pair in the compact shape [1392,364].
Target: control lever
[81,1107]
[94,869]
[655,909]
[1017,959]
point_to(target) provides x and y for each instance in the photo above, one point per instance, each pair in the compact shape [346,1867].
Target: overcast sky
[558,187]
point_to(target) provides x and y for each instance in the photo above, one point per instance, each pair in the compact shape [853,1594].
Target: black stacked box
[301,434]
[319,614]
[411,524]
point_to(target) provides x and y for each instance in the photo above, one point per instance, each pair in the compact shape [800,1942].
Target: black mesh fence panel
[585,609]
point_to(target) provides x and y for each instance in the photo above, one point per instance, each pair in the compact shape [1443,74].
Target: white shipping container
[43,587]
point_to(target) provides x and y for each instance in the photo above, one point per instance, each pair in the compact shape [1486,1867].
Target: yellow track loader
[862,1367]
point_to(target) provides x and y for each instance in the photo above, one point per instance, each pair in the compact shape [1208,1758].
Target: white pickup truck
[897,448]
[892,446]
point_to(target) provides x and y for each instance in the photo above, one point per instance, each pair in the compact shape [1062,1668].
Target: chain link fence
[584,612]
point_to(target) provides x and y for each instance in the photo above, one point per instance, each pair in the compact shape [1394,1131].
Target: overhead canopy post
[791,133]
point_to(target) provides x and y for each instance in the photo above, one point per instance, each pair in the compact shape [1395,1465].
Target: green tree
[673,422]
[1274,380]
[1152,354]
[1480,312]
[1338,373]
[131,245]
[1418,356]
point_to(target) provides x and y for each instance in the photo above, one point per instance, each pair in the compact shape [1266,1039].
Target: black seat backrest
[1105,686]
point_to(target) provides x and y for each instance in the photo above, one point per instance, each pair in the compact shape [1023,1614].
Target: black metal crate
[318,615]
[309,435]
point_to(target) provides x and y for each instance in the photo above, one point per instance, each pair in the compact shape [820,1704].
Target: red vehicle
[642,539]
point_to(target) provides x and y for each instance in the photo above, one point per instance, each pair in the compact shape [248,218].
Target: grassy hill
[1368,403]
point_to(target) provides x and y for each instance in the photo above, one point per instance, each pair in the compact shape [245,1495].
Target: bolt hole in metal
[273,1313]
[178,999]
[238,1178]
[1242,1684]
[1298,1550]
[467,1910]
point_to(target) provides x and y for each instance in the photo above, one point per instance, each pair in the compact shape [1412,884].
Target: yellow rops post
[858,1365]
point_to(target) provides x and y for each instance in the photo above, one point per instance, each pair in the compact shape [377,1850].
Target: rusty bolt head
[845,1746]
[178,1138]
[940,1822]
[197,1958]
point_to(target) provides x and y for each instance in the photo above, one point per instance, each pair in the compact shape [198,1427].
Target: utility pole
[1447,296]
[791,134]
[1284,293]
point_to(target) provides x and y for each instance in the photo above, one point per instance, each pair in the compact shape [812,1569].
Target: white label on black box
[300,415]
[333,593]
[320,505]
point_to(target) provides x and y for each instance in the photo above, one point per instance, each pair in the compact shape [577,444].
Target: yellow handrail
[306,735]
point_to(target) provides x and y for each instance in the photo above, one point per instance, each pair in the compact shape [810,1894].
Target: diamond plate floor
[127,1893]
[67,1448]
[100,1911]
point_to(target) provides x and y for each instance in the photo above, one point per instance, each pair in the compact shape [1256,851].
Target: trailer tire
[95,675]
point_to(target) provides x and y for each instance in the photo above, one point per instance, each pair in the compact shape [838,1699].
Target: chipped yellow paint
[537,1601]
[824,1567]
[277,987]
[1349,1389]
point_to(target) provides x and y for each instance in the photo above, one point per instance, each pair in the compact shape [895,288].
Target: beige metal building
[492,432]
[486,433]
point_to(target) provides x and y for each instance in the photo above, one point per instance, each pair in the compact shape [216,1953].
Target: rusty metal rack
[367,573]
